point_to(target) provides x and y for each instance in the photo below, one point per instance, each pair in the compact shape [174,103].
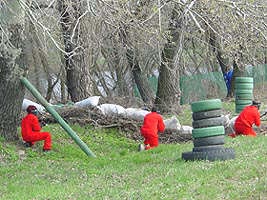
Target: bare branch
[77,22]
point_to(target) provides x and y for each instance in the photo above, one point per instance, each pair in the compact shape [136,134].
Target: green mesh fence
[258,73]
[153,83]
[202,86]
[211,85]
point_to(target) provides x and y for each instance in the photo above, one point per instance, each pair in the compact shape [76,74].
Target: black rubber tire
[238,111]
[207,141]
[239,107]
[244,86]
[224,154]
[208,131]
[206,114]
[211,104]
[243,79]
[208,148]
[214,121]
[243,102]
[242,91]
[245,96]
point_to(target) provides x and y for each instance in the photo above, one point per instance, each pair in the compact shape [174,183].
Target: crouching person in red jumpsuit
[153,123]
[30,130]
[250,115]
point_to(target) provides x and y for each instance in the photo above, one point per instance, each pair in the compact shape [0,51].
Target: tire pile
[243,92]
[208,132]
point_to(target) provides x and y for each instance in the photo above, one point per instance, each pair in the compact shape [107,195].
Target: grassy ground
[120,172]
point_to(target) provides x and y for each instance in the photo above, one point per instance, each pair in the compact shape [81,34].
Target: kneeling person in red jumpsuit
[250,115]
[30,129]
[153,123]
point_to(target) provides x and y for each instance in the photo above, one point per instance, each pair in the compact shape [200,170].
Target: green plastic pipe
[54,113]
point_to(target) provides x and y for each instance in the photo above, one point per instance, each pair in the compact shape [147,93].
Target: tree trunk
[217,50]
[121,84]
[223,62]
[77,73]
[11,62]
[237,73]
[168,93]
[114,57]
[139,78]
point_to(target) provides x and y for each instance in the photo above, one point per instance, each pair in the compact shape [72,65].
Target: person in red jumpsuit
[152,124]
[30,130]
[250,115]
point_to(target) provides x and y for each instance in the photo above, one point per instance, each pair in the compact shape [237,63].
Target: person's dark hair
[256,103]
[154,109]
[31,109]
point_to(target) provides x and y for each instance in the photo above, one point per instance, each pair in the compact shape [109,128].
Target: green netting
[196,87]
[259,73]
[210,85]
[153,83]
[202,86]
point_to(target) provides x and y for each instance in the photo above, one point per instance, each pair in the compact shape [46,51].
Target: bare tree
[168,93]
[122,22]
[73,29]
[185,36]
[11,66]
[140,77]
[233,37]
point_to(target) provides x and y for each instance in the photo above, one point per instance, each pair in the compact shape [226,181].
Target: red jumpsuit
[30,131]
[243,124]
[153,123]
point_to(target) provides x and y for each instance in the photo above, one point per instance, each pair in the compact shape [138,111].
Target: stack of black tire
[208,132]
[243,92]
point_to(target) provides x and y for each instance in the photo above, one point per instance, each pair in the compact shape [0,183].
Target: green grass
[185,115]
[120,172]
[229,107]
